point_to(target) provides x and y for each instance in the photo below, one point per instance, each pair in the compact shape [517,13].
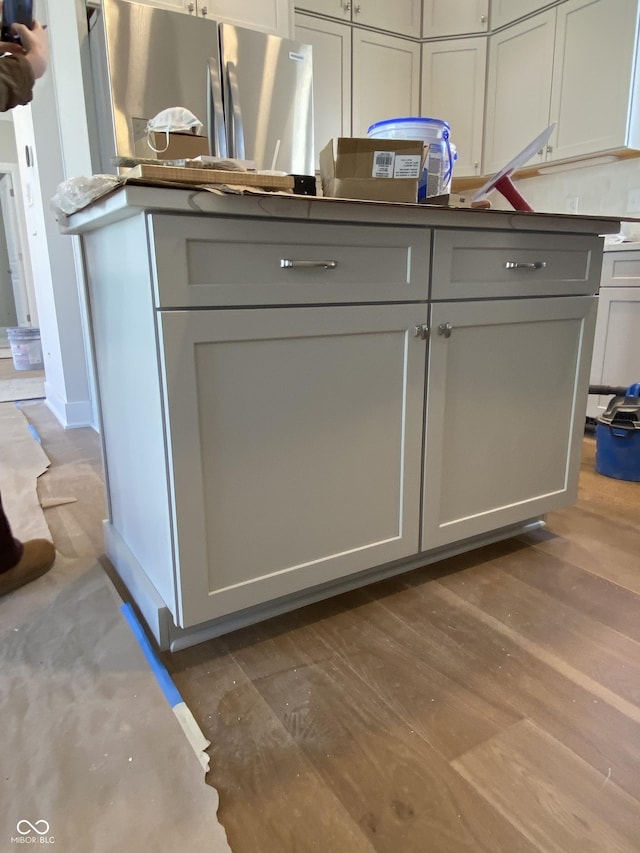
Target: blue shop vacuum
[618,433]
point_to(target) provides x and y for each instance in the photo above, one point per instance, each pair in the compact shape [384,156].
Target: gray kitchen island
[302,395]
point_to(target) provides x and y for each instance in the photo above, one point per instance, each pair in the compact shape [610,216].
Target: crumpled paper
[74,194]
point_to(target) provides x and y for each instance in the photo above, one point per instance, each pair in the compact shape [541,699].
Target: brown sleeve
[16,81]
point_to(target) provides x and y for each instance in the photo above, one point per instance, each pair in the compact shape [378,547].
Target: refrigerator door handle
[215,111]
[237,127]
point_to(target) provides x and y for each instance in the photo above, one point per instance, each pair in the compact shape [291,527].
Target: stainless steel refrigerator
[253,92]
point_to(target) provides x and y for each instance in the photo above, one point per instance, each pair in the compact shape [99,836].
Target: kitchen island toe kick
[299,396]
[170,637]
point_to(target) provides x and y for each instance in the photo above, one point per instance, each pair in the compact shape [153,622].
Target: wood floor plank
[556,800]
[394,784]
[592,542]
[451,634]
[271,798]
[601,653]
[375,647]
[618,500]
[593,596]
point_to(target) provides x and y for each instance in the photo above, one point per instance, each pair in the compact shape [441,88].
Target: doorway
[15,301]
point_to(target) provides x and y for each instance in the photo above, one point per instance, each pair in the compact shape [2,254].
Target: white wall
[601,190]
[7,140]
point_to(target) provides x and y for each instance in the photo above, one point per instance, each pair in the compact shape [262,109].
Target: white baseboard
[70,415]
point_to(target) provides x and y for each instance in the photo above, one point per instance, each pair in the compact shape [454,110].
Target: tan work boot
[37,558]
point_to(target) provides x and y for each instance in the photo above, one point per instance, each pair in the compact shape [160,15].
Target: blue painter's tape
[34,433]
[161,673]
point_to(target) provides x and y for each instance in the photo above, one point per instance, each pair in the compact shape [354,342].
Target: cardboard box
[378,169]
[182,146]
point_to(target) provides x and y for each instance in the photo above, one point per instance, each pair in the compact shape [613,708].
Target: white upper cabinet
[269,16]
[401,16]
[186,6]
[518,89]
[331,8]
[595,93]
[454,17]
[386,79]
[505,11]
[453,76]
[331,43]
[574,65]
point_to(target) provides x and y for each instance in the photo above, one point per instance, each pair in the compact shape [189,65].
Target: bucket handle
[618,432]
[448,173]
[633,390]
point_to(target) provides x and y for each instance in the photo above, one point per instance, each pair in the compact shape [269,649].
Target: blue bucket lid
[425,120]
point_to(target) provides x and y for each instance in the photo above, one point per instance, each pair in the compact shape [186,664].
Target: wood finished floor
[488,703]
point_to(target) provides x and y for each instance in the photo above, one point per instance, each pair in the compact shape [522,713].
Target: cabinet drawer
[621,268]
[478,265]
[207,262]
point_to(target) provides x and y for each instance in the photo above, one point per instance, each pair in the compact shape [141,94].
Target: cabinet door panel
[295,437]
[331,8]
[616,348]
[331,43]
[386,79]
[187,6]
[270,16]
[505,11]
[518,89]
[454,17]
[401,16]
[506,398]
[593,64]
[453,78]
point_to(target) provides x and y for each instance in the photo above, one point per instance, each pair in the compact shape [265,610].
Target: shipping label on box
[388,164]
[408,165]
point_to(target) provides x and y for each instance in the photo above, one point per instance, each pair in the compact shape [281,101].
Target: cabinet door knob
[483,19]
[190,8]
[420,330]
[445,329]
[347,6]
[516,265]
[204,11]
[288,264]
[357,9]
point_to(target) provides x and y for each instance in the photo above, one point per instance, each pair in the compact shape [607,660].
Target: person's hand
[34,47]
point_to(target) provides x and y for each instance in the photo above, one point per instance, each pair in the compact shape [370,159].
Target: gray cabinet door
[616,347]
[507,387]
[295,439]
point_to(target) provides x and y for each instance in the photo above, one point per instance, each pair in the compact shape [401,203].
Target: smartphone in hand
[15,12]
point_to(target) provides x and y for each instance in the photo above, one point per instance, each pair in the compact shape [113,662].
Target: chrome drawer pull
[287,264]
[515,265]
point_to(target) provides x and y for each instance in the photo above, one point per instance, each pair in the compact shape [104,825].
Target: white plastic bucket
[434,132]
[26,349]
